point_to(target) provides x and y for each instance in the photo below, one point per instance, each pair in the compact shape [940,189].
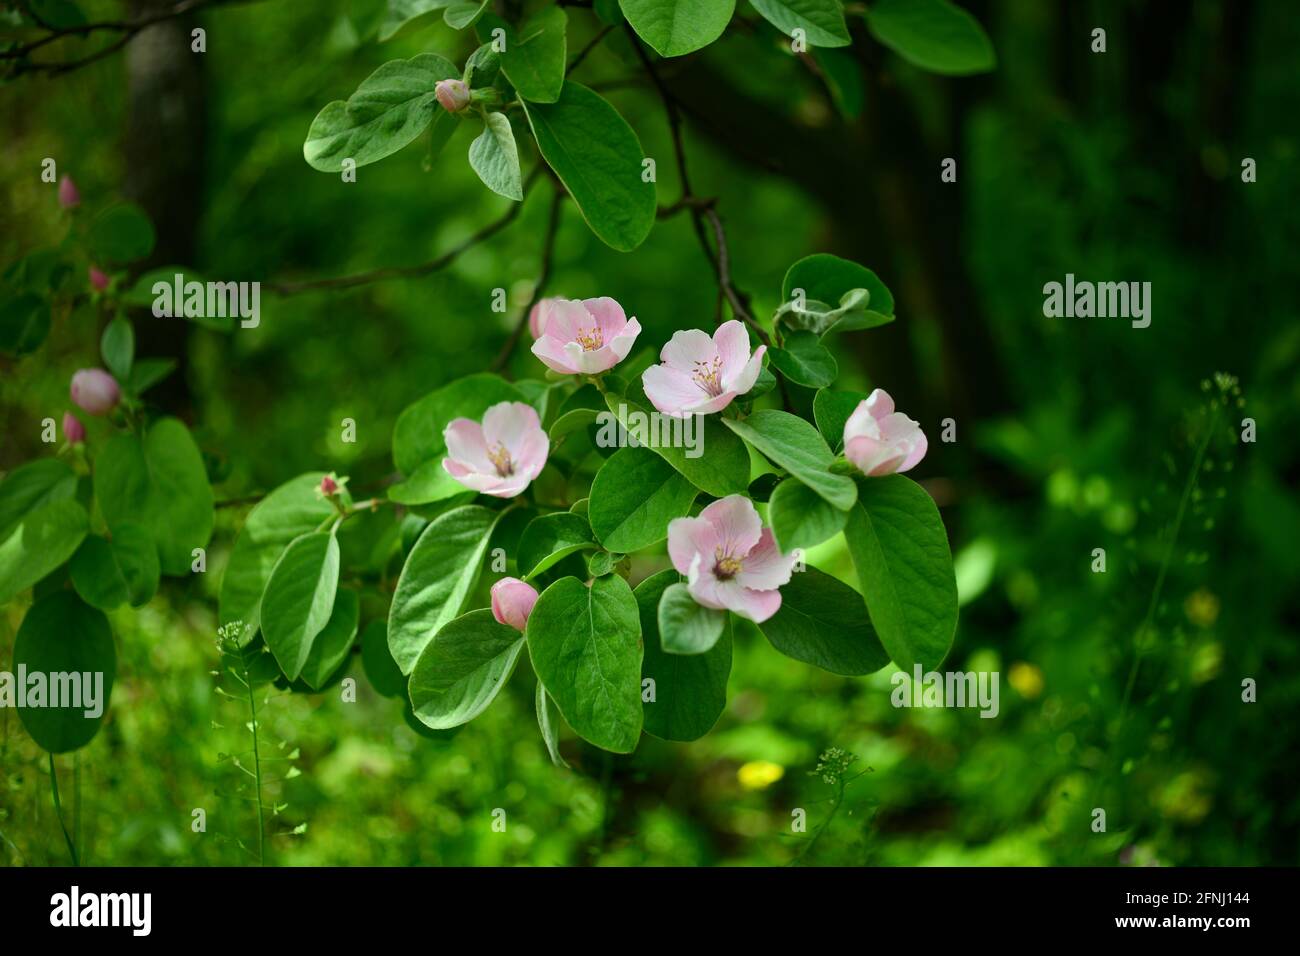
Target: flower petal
[686,347]
[508,422]
[608,315]
[765,568]
[689,539]
[744,381]
[466,444]
[671,390]
[732,343]
[551,352]
[737,523]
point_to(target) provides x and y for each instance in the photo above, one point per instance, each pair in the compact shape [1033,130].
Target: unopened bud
[98,278]
[454,95]
[73,430]
[95,391]
[68,195]
[328,486]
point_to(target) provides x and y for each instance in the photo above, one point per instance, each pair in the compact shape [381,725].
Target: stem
[548,255]
[257,770]
[58,810]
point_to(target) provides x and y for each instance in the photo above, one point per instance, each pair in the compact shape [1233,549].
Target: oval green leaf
[686,627]
[494,157]
[678,27]
[534,54]
[299,599]
[634,496]
[823,622]
[120,569]
[551,538]
[334,643]
[463,669]
[933,34]
[585,645]
[822,21]
[801,518]
[795,445]
[804,360]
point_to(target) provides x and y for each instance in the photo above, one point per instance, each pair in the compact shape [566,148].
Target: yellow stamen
[499,455]
[708,376]
[590,339]
[725,567]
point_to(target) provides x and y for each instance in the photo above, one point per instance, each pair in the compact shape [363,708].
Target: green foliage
[549,539]
[461,671]
[822,21]
[801,518]
[62,636]
[793,444]
[299,599]
[933,34]
[121,233]
[585,645]
[417,436]
[534,55]
[900,549]
[823,622]
[678,27]
[686,627]
[496,160]
[721,469]
[120,569]
[391,107]
[436,580]
[634,496]
[598,158]
[805,361]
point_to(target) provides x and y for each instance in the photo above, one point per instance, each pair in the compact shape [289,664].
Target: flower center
[708,376]
[590,339]
[500,458]
[725,567]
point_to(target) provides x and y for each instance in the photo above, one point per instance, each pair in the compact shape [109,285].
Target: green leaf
[822,21]
[678,27]
[160,483]
[460,15]
[381,670]
[417,436]
[24,322]
[900,549]
[933,34]
[30,487]
[121,233]
[117,345]
[40,543]
[299,599]
[391,107]
[585,645]
[822,621]
[148,372]
[494,157]
[794,445]
[690,691]
[843,77]
[334,643]
[686,627]
[599,159]
[825,278]
[61,635]
[463,669]
[534,55]
[723,467]
[800,518]
[832,409]
[401,12]
[804,360]
[549,539]
[427,484]
[634,496]
[120,569]
[437,578]
[290,511]
[546,724]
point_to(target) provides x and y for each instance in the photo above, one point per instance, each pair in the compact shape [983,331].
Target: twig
[408,272]
[582,54]
[548,254]
[128,28]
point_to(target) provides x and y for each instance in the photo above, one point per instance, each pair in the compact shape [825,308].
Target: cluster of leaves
[521,90]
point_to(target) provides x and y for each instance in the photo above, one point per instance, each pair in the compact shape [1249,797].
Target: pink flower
[452,94]
[539,314]
[730,560]
[583,336]
[68,195]
[95,391]
[328,486]
[881,441]
[702,374]
[73,430]
[512,602]
[98,278]
[501,456]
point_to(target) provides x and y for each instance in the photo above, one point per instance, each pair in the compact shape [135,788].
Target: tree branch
[548,255]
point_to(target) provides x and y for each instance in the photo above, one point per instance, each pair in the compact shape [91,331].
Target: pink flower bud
[98,278]
[68,195]
[452,94]
[95,391]
[512,602]
[328,486]
[73,430]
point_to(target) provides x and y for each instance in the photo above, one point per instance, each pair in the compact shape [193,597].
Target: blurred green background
[1072,434]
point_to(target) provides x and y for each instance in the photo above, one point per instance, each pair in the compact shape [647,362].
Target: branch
[128,28]
[548,255]
[409,272]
